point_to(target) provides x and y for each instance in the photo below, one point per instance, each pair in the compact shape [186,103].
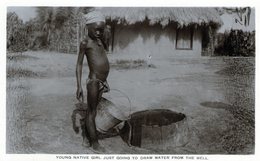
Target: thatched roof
[163,15]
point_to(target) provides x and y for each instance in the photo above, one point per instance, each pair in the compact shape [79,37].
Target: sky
[229,22]
[26,13]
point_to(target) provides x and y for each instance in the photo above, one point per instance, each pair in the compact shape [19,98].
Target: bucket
[108,116]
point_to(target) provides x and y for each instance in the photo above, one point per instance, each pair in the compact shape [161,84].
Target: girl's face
[96,30]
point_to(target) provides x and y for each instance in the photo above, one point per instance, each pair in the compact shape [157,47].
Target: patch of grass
[14,72]
[131,64]
[238,88]
[19,57]
[218,105]
[238,67]
[240,138]
[18,87]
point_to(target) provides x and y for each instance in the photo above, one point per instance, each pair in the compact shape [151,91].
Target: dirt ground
[215,93]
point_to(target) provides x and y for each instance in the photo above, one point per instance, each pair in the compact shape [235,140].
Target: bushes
[18,42]
[236,43]
[16,33]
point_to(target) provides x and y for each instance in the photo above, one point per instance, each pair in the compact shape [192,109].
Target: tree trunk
[211,41]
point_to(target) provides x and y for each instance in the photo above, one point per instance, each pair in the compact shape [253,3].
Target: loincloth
[103,86]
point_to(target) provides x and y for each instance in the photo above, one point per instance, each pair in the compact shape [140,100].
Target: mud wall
[143,41]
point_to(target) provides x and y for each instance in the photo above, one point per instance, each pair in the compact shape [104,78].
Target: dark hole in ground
[137,127]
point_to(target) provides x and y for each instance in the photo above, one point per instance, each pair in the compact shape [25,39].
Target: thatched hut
[162,30]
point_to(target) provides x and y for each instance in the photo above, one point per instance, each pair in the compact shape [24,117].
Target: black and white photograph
[130,80]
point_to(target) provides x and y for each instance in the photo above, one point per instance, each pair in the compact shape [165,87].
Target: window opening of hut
[184,39]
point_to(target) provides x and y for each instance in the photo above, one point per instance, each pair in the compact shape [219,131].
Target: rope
[130,107]
[129,117]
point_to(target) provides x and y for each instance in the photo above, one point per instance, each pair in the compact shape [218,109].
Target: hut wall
[142,41]
[197,42]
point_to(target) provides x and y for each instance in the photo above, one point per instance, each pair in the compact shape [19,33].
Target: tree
[242,14]
[46,17]
[16,33]
[62,27]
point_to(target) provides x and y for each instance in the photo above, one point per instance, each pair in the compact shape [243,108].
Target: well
[156,129]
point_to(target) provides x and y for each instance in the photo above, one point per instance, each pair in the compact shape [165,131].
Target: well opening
[155,128]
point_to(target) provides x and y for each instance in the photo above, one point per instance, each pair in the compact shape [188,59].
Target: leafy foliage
[236,43]
[54,28]
[61,27]
[16,33]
